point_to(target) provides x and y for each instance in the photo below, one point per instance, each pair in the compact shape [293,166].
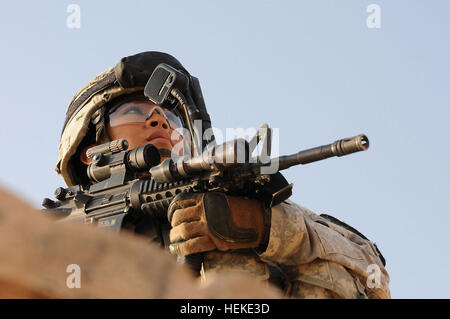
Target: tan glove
[208,221]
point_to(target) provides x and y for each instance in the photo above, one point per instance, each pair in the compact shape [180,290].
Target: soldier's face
[134,122]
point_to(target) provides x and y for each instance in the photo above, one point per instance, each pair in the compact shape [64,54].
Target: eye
[133,110]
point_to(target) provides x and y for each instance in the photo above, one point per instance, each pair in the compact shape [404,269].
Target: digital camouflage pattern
[77,127]
[320,259]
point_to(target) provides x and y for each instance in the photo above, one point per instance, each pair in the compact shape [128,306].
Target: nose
[157,120]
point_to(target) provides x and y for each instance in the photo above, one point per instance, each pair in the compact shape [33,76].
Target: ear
[83,157]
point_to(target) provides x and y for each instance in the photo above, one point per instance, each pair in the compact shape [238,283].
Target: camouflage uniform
[319,258]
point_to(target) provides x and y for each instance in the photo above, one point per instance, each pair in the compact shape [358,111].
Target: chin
[161,144]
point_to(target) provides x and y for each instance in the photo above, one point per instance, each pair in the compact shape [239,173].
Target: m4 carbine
[127,185]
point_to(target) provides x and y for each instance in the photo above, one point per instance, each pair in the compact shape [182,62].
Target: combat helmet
[84,123]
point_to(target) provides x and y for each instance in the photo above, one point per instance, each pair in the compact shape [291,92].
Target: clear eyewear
[135,112]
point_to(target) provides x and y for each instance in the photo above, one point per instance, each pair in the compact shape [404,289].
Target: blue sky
[313,69]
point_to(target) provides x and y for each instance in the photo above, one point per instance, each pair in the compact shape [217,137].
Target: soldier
[304,254]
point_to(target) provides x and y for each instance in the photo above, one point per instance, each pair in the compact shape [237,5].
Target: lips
[159,135]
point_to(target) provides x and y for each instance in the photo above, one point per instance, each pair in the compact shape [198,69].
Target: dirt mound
[39,259]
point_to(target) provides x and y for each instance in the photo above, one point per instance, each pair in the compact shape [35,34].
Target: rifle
[130,186]
[127,185]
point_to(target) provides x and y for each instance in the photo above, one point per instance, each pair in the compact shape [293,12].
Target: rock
[35,253]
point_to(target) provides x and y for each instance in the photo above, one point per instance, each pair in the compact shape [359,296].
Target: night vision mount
[168,87]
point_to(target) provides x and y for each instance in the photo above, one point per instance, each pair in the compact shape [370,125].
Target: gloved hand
[208,221]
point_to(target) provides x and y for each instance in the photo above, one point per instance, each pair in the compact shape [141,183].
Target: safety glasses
[140,112]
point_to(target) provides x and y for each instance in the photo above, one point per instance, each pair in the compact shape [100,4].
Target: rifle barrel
[338,148]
